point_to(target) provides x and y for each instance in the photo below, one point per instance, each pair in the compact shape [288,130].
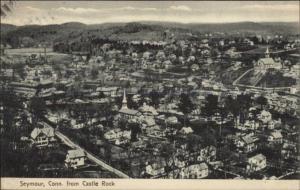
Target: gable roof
[267,61]
[258,157]
[199,167]
[248,139]
[129,111]
[48,131]
[276,134]
[265,113]
[186,130]
[76,153]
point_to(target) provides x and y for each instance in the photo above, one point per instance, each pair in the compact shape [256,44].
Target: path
[89,155]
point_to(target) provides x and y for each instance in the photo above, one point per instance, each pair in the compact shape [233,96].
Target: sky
[96,12]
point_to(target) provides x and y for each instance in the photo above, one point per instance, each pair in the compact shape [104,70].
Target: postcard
[149,95]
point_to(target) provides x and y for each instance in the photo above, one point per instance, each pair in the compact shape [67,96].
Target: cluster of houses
[168,69]
[44,137]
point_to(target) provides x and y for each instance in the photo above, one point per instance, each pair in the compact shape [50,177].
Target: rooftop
[48,131]
[77,153]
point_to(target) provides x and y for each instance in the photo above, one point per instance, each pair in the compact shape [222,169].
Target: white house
[148,110]
[155,169]
[196,171]
[186,130]
[257,162]
[251,124]
[75,158]
[275,137]
[207,154]
[116,134]
[108,91]
[265,116]
[247,143]
[172,120]
[43,136]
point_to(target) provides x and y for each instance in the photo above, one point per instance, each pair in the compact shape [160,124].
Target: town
[189,105]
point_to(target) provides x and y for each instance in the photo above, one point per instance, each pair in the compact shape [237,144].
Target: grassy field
[276,79]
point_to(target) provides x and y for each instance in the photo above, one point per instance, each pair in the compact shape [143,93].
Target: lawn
[274,79]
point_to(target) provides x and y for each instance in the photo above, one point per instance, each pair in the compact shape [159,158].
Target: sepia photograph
[145,90]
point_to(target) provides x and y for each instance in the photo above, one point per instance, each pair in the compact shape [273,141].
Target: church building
[127,113]
[267,63]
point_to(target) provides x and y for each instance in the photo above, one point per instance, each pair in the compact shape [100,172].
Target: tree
[244,102]
[154,96]
[19,68]
[209,137]
[262,101]
[232,106]
[194,142]
[186,106]
[135,130]
[168,152]
[101,95]
[211,105]
[106,111]
[94,72]
[37,106]
[223,113]
[131,104]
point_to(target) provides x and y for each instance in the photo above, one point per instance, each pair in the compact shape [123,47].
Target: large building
[127,113]
[267,63]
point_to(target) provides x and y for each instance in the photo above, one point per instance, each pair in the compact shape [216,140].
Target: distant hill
[5,28]
[147,30]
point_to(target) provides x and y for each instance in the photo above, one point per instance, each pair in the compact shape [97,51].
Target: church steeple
[124,101]
[267,53]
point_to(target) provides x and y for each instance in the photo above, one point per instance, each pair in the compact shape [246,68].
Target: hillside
[48,34]
[5,28]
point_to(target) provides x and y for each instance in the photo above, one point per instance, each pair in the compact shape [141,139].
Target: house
[265,116]
[116,134]
[256,163]
[148,110]
[43,136]
[75,158]
[155,169]
[195,67]
[179,161]
[155,131]
[196,171]
[122,140]
[247,143]
[186,130]
[275,137]
[172,120]
[207,154]
[108,91]
[147,122]
[289,150]
[251,124]
[271,124]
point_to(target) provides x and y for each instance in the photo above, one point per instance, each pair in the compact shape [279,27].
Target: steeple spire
[267,53]
[124,101]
